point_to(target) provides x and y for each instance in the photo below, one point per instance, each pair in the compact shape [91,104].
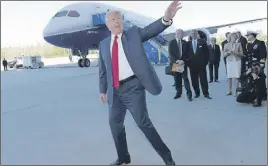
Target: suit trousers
[247,97]
[131,95]
[178,82]
[216,71]
[199,73]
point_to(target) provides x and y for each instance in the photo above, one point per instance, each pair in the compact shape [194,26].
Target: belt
[127,79]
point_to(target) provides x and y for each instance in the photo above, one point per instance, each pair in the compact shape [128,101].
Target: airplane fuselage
[79,32]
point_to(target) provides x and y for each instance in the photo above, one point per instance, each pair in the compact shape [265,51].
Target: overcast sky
[22,23]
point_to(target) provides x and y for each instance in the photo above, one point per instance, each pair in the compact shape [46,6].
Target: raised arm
[102,74]
[161,24]
[153,29]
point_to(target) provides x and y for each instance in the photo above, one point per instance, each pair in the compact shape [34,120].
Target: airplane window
[73,13]
[61,14]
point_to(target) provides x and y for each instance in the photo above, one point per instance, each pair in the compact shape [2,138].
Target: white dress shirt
[125,70]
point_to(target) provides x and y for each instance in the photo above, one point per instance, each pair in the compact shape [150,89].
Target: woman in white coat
[233,53]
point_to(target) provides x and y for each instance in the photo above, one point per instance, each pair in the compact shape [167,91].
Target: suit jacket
[132,42]
[173,50]
[244,43]
[214,54]
[236,48]
[257,50]
[201,57]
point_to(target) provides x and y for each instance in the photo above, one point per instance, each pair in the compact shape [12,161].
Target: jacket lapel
[125,44]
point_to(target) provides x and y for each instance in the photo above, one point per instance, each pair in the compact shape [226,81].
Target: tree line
[49,51]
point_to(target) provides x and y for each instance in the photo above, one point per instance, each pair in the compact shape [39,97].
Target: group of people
[193,54]
[242,57]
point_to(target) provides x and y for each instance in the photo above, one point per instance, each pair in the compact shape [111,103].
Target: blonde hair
[231,35]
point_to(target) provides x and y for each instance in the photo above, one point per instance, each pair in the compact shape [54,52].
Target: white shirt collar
[119,36]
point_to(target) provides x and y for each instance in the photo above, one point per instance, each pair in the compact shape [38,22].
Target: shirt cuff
[166,23]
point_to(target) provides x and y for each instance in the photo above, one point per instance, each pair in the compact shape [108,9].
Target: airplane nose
[58,25]
[46,31]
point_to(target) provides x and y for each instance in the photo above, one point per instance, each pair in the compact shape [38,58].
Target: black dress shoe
[190,99]
[257,105]
[196,96]
[217,81]
[120,162]
[170,162]
[210,81]
[208,97]
[177,96]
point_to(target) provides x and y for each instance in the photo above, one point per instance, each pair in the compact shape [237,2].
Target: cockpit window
[73,13]
[61,14]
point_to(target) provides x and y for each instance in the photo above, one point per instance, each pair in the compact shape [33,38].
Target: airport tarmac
[53,116]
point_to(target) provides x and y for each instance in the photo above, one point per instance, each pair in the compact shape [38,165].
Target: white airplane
[81,26]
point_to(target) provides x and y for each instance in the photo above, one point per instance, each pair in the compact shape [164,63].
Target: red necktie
[115,67]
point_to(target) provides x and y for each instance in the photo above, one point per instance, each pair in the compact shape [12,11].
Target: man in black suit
[222,46]
[176,51]
[241,39]
[214,60]
[198,56]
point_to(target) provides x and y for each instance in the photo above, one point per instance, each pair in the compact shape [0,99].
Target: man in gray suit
[124,74]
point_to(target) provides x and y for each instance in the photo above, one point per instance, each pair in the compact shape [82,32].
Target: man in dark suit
[198,56]
[124,74]
[222,47]
[241,39]
[214,60]
[176,49]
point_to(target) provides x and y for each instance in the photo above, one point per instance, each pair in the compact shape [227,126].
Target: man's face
[114,23]
[179,34]
[213,41]
[238,34]
[194,34]
[250,37]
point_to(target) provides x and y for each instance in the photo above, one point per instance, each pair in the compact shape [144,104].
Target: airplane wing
[211,29]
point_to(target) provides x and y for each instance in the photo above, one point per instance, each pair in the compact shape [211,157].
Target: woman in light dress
[233,53]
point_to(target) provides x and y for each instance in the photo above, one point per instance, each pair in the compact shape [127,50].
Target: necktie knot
[115,37]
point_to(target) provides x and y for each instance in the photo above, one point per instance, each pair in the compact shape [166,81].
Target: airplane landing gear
[84,62]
